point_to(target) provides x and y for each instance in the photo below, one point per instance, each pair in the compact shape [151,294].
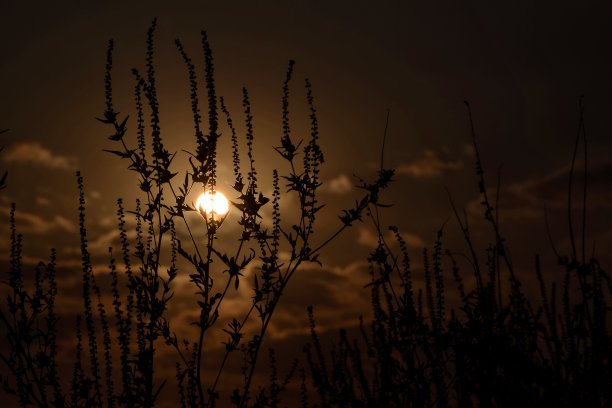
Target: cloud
[340,185]
[432,165]
[43,201]
[34,153]
[64,223]
[527,198]
[338,293]
[99,242]
[368,238]
[469,150]
[33,223]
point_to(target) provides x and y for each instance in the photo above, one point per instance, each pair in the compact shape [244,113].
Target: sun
[212,205]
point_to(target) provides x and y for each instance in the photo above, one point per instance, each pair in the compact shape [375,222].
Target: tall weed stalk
[134,328]
[494,349]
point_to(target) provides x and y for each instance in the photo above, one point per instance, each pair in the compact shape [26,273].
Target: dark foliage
[135,326]
[495,350]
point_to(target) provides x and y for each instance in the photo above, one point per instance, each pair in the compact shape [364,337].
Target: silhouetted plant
[493,351]
[31,330]
[139,310]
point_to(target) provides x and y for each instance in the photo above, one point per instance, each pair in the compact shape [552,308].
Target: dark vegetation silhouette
[495,350]
[140,325]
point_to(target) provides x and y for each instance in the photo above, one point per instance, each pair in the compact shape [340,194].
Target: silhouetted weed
[494,351]
[141,286]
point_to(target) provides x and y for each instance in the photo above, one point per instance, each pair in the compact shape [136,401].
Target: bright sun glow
[210,204]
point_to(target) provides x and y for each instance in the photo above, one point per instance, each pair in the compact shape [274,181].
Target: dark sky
[522,65]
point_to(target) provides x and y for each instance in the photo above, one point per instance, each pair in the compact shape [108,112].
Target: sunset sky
[522,65]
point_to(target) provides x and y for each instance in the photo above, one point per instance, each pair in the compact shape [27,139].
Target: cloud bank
[35,154]
[432,165]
